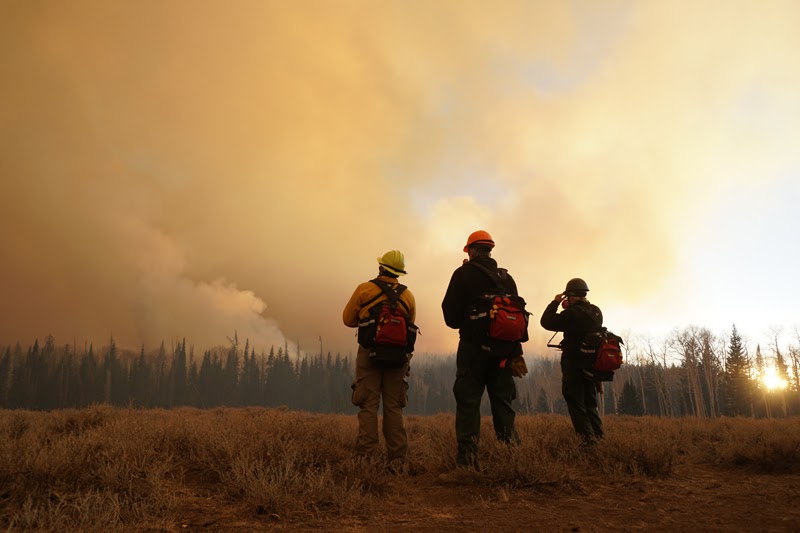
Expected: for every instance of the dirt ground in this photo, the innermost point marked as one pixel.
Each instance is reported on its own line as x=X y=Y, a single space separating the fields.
x=694 y=498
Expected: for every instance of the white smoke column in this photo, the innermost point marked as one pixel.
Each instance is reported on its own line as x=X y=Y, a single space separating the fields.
x=166 y=302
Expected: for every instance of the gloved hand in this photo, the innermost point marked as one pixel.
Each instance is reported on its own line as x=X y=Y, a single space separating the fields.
x=518 y=367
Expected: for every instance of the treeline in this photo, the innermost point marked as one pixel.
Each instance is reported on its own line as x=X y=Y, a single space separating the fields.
x=695 y=373
x=692 y=373
x=53 y=377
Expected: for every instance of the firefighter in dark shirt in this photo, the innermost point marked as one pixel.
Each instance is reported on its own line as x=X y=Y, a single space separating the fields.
x=575 y=320
x=475 y=370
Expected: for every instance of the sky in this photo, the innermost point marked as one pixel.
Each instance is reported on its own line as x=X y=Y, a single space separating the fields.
x=199 y=169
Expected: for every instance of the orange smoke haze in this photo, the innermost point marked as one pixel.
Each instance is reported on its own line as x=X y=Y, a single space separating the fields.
x=191 y=169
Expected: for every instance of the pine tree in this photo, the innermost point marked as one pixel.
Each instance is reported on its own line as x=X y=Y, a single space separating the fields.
x=115 y=377
x=248 y=384
x=781 y=368
x=161 y=378
x=630 y=403
x=282 y=381
x=737 y=378
x=320 y=381
x=192 y=390
x=65 y=382
x=760 y=364
x=91 y=389
x=542 y=404
x=760 y=400
x=48 y=389
x=305 y=390
x=209 y=380
x=230 y=377
x=5 y=376
x=177 y=388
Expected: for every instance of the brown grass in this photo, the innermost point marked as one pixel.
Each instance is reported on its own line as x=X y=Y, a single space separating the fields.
x=115 y=469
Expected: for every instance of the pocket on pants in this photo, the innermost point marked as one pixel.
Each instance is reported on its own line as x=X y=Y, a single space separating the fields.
x=403 y=401
x=358 y=397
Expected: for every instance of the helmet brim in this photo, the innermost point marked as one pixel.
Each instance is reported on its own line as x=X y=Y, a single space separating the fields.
x=478 y=243
x=393 y=270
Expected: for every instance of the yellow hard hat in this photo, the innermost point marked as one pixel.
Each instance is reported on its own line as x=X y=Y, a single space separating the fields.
x=394 y=262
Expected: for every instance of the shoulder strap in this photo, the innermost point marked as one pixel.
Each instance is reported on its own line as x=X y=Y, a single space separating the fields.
x=392 y=293
x=592 y=312
x=589 y=314
x=499 y=274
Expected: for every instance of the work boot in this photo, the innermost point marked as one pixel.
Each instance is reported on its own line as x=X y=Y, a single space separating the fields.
x=588 y=444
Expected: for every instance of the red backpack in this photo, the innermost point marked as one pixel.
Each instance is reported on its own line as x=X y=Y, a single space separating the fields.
x=603 y=351
x=387 y=330
x=499 y=316
x=507 y=319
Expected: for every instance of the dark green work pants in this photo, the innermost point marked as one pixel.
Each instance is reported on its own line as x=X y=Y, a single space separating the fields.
x=581 y=397
x=476 y=372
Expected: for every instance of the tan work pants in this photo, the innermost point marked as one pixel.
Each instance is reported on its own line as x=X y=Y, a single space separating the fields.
x=372 y=384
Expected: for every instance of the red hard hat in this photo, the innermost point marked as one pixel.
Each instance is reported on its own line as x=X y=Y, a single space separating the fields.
x=479 y=237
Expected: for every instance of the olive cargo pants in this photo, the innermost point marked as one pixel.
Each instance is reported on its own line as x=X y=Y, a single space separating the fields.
x=476 y=372
x=372 y=385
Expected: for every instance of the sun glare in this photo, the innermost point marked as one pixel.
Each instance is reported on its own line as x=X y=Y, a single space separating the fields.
x=772 y=381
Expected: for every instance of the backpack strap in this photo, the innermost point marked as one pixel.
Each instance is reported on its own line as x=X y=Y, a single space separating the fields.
x=496 y=276
x=590 y=314
x=392 y=293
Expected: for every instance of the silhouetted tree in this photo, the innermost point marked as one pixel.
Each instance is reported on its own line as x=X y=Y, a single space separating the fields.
x=115 y=386
x=737 y=385
x=630 y=403
x=209 y=380
x=230 y=377
x=251 y=379
x=192 y=389
x=161 y=378
x=141 y=384
x=177 y=376
x=282 y=381
x=5 y=376
x=305 y=388
x=542 y=404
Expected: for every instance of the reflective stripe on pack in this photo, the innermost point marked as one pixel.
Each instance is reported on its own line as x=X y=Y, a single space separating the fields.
x=366 y=323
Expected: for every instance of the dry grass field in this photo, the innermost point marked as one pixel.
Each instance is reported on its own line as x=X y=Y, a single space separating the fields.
x=254 y=469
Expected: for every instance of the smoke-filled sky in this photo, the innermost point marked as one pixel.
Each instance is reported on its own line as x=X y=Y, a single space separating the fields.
x=197 y=168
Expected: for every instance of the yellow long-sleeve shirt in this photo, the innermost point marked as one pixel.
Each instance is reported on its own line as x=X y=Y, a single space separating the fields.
x=355 y=308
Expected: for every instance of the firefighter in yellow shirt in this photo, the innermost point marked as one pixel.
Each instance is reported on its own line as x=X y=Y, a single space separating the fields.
x=372 y=383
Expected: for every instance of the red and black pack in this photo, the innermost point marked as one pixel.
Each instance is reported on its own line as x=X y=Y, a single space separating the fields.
x=603 y=354
x=498 y=317
x=387 y=330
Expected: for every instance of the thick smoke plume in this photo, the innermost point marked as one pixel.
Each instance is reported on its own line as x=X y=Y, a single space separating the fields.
x=190 y=169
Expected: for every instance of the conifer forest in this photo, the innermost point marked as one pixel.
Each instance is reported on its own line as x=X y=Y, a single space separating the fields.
x=691 y=373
